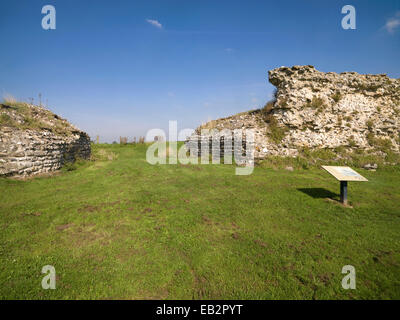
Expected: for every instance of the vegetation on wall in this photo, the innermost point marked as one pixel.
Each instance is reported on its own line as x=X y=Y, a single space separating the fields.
x=24 y=116
x=336 y=96
x=275 y=132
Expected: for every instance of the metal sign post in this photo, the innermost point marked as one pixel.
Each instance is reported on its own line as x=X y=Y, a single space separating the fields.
x=343 y=192
x=344 y=174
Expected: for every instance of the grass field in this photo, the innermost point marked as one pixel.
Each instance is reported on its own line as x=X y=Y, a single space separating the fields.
x=123 y=229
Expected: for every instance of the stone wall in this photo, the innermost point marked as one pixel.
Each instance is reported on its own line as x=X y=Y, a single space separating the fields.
x=25 y=151
x=219 y=145
x=314 y=109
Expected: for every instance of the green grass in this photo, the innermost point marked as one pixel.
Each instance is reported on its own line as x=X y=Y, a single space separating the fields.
x=366 y=87
x=336 y=96
x=315 y=103
x=340 y=156
x=275 y=132
x=123 y=229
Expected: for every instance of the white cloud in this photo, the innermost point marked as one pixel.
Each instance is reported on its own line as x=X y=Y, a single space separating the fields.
x=393 y=23
x=229 y=50
x=155 y=23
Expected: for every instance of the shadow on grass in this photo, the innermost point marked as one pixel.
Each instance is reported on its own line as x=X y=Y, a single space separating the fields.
x=318 y=193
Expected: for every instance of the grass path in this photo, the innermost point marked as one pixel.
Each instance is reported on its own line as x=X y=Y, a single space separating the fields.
x=124 y=229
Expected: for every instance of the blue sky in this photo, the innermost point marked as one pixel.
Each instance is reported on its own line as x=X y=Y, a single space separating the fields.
x=111 y=71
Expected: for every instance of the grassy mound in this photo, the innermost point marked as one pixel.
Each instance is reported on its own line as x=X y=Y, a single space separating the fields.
x=25 y=116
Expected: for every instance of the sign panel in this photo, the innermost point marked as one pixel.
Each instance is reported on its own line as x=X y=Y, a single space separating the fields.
x=344 y=173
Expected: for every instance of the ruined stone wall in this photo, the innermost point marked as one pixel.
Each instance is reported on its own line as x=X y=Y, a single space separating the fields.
x=25 y=151
x=314 y=109
x=219 y=145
